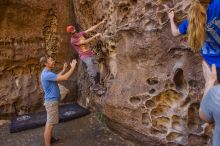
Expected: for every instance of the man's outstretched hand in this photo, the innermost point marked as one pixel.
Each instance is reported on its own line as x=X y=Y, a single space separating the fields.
x=210 y=74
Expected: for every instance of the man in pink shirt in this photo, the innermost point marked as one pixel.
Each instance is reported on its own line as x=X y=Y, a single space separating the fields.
x=81 y=44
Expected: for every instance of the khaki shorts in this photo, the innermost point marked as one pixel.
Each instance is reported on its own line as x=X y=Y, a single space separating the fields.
x=52 y=109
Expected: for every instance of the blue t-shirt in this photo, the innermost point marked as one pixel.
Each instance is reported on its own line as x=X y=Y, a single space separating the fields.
x=50 y=86
x=210 y=106
x=211 y=47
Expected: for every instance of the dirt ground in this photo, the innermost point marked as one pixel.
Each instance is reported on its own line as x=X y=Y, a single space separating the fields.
x=85 y=131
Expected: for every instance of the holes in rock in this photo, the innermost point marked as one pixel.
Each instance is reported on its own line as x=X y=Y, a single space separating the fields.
x=209 y=129
x=186 y=102
x=145 y=96
x=124 y=7
x=166 y=85
x=149 y=104
x=177 y=126
x=160 y=110
x=140 y=15
x=193 y=117
x=172 y=97
x=152 y=91
x=161 y=123
x=193 y=83
x=175 y=118
x=107 y=4
x=148 y=6
x=133 y=1
x=150 y=25
x=162 y=129
x=198 y=140
x=103 y=17
x=161 y=7
x=174 y=136
x=135 y=100
x=154 y=131
x=112 y=48
x=145 y=119
x=168 y=97
x=162 y=18
x=152 y=81
x=172 y=85
x=169 y=85
x=123 y=20
x=179 y=79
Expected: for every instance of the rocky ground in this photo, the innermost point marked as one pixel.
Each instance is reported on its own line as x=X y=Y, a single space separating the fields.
x=85 y=131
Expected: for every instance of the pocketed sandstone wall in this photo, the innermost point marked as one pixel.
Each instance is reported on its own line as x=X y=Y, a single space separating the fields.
x=154 y=81
x=28 y=29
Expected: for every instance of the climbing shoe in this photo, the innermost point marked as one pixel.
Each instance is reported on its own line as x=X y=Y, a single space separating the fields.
x=101 y=91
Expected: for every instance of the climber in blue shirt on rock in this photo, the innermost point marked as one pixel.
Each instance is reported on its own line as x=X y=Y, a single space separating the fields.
x=202 y=26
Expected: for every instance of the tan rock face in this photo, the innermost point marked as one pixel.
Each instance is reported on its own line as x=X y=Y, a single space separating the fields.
x=29 y=29
x=154 y=80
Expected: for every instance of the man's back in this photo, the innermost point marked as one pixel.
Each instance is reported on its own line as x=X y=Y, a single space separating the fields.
x=210 y=106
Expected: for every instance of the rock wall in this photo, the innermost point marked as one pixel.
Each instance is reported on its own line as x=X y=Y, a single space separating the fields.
x=154 y=80
x=29 y=29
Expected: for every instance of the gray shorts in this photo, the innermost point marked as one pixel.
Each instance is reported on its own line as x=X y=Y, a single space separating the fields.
x=92 y=69
x=52 y=109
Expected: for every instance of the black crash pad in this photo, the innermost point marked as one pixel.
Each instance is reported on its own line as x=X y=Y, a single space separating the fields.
x=29 y=121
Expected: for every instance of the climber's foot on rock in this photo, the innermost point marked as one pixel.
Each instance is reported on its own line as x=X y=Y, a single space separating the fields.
x=101 y=91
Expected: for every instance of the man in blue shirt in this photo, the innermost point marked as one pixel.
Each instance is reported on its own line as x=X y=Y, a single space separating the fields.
x=52 y=93
x=209 y=108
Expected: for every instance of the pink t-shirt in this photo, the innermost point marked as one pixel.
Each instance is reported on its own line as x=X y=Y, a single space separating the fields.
x=83 y=50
